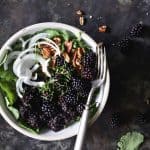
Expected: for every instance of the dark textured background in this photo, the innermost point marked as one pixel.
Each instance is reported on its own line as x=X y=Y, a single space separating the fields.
x=130 y=74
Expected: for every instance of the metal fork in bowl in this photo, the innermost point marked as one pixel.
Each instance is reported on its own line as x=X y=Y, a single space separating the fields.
x=101 y=76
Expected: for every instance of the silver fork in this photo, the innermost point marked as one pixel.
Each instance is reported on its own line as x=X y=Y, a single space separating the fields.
x=101 y=75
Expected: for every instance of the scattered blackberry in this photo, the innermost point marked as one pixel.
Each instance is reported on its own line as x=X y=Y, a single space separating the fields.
x=115 y=120
x=60 y=61
x=33 y=120
x=57 y=123
x=136 y=30
x=80 y=108
x=123 y=44
x=89 y=59
x=143 y=118
x=48 y=109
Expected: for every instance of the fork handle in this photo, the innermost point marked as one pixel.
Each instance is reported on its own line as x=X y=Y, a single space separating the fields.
x=82 y=129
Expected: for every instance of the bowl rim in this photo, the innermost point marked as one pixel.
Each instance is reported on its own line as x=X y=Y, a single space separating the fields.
x=105 y=88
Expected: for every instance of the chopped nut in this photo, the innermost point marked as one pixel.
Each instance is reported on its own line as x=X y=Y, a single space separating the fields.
x=68 y=45
x=66 y=57
x=79 y=67
x=52 y=63
x=81 y=20
x=78 y=61
x=80 y=52
x=79 y=12
x=46 y=52
x=74 y=59
x=102 y=28
x=57 y=40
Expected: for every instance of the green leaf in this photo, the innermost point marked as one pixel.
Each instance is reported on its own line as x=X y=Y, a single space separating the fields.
x=13 y=110
x=9 y=91
x=23 y=125
x=78 y=35
x=130 y=141
x=17 y=46
x=65 y=35
x=82 y=44
x=7 y=75
x=7 y=84
x=62 y=47
x=75 y=43
x=4 y=59
x=52 y=32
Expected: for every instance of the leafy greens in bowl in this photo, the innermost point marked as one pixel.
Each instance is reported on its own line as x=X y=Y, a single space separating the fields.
x=45 y=79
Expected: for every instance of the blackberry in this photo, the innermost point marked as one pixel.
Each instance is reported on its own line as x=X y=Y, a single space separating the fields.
x=60 y=61
x=143 y=118
x=69 y=111
x=24 y=111
x=57 y=123
x=71 y=114
x=70 y=98
x=87 y=73
x=43 y=119
x=67 y=117
x=80 y=108
x=89 y=59
x=33 y=120
x=64 y=106
x=76 y=83
x=31 y=96
x=136 y=30
x=84 y=92
x=115 y=120
x=81 y=86
x=70 y=68
x=123 y=44
x=48 y=109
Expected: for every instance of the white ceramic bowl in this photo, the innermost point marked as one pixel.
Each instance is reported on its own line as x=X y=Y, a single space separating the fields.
x=72 y=129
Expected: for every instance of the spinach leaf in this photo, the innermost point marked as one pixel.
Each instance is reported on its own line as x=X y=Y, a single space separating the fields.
x=7 y=84
x=7 y=75
x=8 y=89
x=13 y=110
x=25 y=126
x=65 y=35
x=52 y=32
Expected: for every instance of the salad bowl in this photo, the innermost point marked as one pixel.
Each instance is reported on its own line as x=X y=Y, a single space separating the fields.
x=71 y=130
